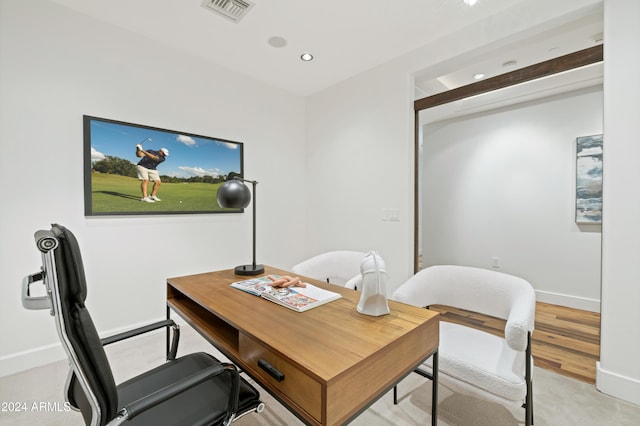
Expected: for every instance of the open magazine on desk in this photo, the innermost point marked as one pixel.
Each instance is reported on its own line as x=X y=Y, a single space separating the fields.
x=299 y=299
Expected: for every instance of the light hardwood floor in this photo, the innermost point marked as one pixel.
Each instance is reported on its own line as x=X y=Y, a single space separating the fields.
x=565 y=340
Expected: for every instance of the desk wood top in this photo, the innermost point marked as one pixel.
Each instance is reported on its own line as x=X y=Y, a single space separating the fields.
x=328 y=339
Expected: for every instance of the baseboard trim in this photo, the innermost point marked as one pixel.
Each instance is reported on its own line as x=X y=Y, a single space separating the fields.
x=582 y=303
x=36 y=357
x=26 y=360
x=616 y=385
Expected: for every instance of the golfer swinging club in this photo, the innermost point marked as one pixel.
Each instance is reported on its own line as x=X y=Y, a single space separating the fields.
x=147 y=169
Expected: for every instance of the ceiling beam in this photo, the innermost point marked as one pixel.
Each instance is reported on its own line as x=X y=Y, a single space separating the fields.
x=568 y=62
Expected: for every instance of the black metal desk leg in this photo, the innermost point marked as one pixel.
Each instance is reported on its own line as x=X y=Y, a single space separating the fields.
x=434 y=391
x=168 y=332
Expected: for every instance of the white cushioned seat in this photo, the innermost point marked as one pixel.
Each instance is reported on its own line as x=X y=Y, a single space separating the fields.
x=496 y=368
x=469 y=358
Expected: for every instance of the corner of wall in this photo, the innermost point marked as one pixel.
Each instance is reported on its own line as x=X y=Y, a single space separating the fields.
x=616 y=385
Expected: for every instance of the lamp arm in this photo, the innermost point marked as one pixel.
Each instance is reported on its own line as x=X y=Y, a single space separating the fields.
x=234 y=195
x=253 y=183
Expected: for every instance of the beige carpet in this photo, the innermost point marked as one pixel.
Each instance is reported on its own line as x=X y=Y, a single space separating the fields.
x=35 y=397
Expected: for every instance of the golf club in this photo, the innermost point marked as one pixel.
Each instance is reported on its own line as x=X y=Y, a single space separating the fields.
x=139 y=146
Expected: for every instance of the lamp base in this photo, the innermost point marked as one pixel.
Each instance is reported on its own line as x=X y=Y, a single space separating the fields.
x=249 y=270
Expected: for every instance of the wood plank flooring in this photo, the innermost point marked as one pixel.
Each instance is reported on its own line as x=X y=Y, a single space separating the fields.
x=565 y=340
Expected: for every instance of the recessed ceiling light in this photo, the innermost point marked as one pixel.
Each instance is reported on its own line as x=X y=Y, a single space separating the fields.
x=478 y=76
x=306 y=57
x=277 y=41
x=470 y=2
x=510 y=64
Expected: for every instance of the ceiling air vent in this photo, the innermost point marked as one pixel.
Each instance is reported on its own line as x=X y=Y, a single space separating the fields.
x=234 y=10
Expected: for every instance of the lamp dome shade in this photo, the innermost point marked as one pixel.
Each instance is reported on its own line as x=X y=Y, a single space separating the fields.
x=234 y=194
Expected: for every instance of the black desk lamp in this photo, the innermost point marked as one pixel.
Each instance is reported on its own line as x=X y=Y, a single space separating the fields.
x=235 y=194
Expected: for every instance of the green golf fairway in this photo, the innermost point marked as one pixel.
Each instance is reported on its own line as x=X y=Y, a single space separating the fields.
x=121 y=194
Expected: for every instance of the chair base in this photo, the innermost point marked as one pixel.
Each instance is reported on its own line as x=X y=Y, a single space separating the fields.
x=528 y=404
x=434 y=389
x=203 y=404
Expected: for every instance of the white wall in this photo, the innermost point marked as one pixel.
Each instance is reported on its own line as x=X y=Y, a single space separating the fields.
x=359 y=167
x=55 y=66
x=348 y=120
x=618 y=371
x=360 y=139
x=502 y=184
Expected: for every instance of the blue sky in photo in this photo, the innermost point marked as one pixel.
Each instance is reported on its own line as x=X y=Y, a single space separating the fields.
x=189 y=155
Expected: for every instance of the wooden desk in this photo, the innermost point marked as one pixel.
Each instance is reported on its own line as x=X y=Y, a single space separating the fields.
x=335 y=361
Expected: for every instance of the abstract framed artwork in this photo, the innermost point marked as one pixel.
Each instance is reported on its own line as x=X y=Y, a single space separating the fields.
x=589 y=179
x=189 y=176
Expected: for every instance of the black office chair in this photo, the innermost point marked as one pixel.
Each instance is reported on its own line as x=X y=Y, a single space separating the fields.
x=193 y=389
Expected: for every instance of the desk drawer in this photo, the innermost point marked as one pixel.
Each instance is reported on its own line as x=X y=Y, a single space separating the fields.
x=287 y=378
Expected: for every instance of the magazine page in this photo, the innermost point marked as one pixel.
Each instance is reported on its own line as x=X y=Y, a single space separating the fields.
x=255 y=286
x=300 y=298
x=297 y=298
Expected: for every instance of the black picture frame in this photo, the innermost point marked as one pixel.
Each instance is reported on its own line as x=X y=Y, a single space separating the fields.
x=190 y=175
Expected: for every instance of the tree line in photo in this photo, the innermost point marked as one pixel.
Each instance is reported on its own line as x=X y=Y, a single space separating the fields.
x=120 y=166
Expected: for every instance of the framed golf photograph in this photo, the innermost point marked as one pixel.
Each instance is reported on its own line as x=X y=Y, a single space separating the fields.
x=133 y=169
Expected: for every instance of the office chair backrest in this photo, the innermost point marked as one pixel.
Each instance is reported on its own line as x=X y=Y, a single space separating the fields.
x=79 y=334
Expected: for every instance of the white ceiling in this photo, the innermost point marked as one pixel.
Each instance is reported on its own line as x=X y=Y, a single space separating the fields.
x=580 y=34
x=345 y=37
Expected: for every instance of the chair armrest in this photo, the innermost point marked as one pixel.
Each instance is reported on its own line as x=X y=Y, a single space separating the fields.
x=145 y=329
x=516 y=335
x=520 y=322
x=143 y=404
x=34 y=302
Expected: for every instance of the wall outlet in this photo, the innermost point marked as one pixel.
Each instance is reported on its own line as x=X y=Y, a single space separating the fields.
x=496 y=263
